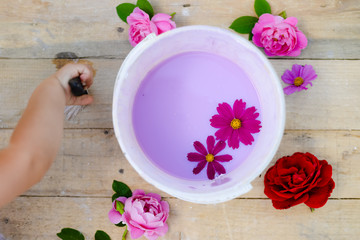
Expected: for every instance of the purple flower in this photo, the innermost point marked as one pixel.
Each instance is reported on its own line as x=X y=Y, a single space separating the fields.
x=209 y=157
x=236 y=124
x=299 y=77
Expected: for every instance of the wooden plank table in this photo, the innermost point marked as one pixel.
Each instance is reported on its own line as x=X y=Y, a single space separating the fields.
x=324 y=120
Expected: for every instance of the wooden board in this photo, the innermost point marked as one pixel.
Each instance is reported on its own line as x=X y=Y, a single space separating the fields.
x=329 y=104
x=40 y=29
x=41 y=218
x=90 y=159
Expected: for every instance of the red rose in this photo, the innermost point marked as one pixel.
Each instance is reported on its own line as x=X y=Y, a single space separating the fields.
x=300 y=178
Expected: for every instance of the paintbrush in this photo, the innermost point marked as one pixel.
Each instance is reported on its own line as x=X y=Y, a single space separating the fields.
x=77 y=88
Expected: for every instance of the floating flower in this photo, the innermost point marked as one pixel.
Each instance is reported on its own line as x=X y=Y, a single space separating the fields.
x=278 y=36
x=236 y=124
x=299 y=77
x=209 y=157
x=300 y=178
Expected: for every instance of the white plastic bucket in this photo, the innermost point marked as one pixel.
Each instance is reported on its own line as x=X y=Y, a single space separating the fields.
x=155 y=49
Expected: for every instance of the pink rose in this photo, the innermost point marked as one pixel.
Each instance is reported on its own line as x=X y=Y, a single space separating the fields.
x=163 y=22
x=144 y=214
x=140 y=26
x=278 y=36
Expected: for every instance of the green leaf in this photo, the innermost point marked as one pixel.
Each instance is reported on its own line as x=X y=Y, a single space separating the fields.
x=70 y=234
x=124 y=10
x=120 y=224
x=250 y=36
x=283 y=14
x=244 y=24
x=146 y=7
x=122 y=189
x=101 y=235
x=173 y=14
x=261 y=7
x=115 y=196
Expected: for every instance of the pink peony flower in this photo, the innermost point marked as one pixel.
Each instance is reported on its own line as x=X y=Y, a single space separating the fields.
x=163 y=22
x=209 y=157
x=299 y=77
x=145 y=214
x=140 y=26
x=236 y=124
x=278 y=36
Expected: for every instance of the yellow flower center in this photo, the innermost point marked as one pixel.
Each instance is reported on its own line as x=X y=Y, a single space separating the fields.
x=209 y=157
x=235 y=123
x=298 y=81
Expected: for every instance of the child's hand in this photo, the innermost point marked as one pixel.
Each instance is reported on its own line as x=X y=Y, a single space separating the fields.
x=73 y=70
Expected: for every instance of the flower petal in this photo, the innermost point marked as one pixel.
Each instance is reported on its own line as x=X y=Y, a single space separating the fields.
x=195 y=157
x=138 y=192
x=233 y=141
x=224 y=133
x=211 y=171
x=252 y=125
x=319 y=196
x=287 y=77
x=239 y=108
x=154 y=195
x=308 y=73
x=325 y=174
x=245 y=136
x=200 y=148
x=296 y=68
x=289 y=203
x=199 y=167
x=219 y=168
x=291 y=89
x=114 y=216
x=225 y=110
x=210 y=142
x=218 y=121
x=250 y=113
x=220 y=145
x=223 y=158
x=134 y=231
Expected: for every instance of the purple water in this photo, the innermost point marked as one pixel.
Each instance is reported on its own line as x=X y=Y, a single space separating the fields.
x=175 y=102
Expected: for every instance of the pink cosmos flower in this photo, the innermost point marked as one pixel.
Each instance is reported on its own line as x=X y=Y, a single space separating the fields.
x=278 y=36
x=141 y=25
x=236 y=124
x=298 y=78
x=209 y=156
x=163 y=22
x=145 y=214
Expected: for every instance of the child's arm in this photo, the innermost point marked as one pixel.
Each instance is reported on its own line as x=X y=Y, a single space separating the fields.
x=36 y=139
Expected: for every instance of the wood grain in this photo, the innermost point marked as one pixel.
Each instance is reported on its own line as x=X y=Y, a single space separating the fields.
x=90 y=159
x=40 y=29
x=41 y=218
x=329 y=104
